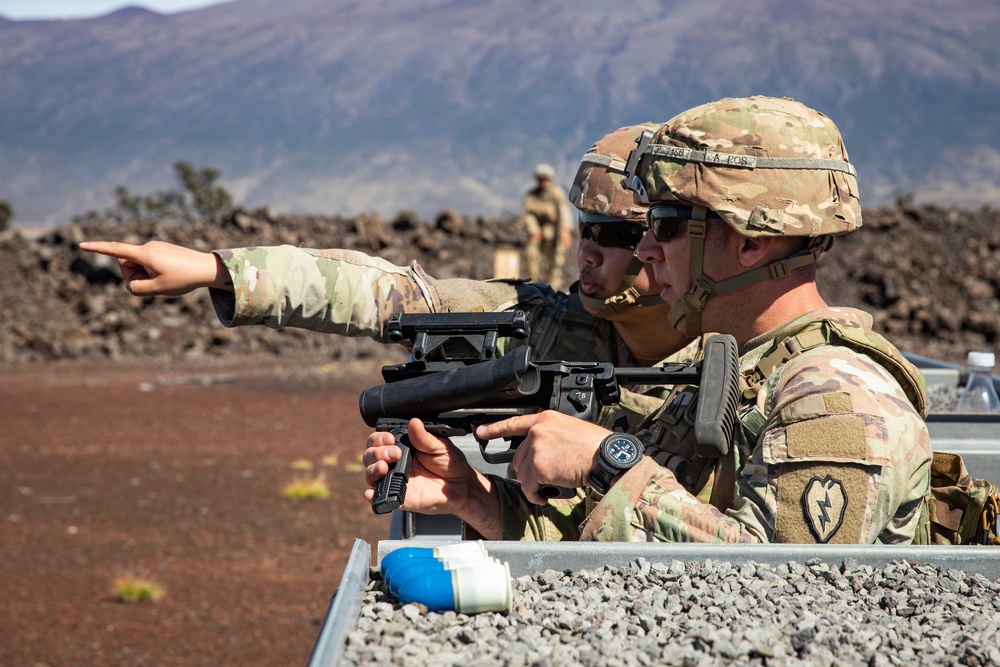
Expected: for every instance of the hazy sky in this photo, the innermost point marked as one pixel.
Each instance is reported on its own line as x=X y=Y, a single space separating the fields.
x=53 y=9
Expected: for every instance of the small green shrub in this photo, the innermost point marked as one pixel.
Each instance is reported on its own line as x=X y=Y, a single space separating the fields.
x=197 y=197
x=6 y=213
x=133 y=589
x=356 y=465
x=307 y=488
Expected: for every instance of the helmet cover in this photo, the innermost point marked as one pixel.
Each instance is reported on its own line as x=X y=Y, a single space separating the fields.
x=768 y=166
x=599 y=188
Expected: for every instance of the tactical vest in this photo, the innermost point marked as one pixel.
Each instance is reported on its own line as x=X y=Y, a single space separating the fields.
x=573 y=334
x=559 y=326
x=714 y=480
x=829 y=332
x=960 y=509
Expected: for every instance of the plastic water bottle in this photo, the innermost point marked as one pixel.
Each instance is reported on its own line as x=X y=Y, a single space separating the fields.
x=979 y=394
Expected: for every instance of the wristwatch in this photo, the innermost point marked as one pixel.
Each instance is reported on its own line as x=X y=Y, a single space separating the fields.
x=619 y=453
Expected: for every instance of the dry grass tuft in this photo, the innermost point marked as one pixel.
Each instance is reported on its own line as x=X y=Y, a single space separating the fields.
x=131 y=589
x=307 y=488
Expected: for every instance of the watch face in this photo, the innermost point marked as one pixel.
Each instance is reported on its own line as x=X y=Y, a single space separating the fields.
x=622 y=450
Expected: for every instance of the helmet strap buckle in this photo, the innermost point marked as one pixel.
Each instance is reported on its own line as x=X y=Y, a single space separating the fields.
x=778 y=270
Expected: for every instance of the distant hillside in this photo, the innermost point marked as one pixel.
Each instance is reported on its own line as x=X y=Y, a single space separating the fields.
x=929 y=275
x=338 y=107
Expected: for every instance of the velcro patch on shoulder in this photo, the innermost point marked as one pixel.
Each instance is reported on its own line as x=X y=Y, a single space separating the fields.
x=816 y=405
x=823 y=504
x=838 y=436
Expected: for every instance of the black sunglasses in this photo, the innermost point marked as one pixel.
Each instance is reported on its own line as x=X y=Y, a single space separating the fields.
x=665 y=221
x=611 y=232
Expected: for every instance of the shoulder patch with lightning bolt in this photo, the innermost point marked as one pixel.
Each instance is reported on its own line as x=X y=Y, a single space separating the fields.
x=824 y=502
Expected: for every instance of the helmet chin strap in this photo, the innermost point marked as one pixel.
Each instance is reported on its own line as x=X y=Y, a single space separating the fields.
x=693 y=303
x=701 y=285
x=625 y=296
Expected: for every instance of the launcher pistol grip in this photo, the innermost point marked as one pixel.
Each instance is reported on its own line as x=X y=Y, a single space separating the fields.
x=390 y=492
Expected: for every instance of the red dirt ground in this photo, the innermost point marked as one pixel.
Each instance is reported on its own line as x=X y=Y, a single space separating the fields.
x=175 y=474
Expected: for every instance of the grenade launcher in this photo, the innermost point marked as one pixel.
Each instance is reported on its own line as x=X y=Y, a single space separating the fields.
x=455 y=382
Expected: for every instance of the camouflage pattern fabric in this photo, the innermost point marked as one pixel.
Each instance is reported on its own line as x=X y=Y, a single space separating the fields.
x=331 y=291
x=831 y=450
x=769 y=166
x=598 y=188
x=599 y=183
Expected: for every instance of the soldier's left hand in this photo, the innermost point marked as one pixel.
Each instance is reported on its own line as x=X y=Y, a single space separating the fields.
x=557 y=449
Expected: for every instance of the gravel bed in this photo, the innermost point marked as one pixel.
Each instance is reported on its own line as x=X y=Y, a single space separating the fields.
x=701 y=614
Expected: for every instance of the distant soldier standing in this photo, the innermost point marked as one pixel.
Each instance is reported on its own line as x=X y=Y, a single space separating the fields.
x=546 y=215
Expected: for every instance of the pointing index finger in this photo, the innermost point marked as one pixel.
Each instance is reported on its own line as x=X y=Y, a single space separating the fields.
x=111 y=248
x=505 y=428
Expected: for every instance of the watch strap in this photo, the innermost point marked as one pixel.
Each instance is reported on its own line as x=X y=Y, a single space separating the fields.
x=601 y=476
x=604 y=471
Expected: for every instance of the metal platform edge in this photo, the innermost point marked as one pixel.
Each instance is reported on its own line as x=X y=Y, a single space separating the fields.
x=345 y=608
x=527 y=558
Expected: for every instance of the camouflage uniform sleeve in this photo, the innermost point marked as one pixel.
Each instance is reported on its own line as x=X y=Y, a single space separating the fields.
x=648 y=504
x=338 y=291
x=844 y=457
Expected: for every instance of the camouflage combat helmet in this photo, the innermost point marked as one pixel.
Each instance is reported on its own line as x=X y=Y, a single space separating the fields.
x=600 y=196
x=766 y=166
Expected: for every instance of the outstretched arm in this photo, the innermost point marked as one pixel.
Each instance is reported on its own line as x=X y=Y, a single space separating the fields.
x=157 y=268
x=332 y=291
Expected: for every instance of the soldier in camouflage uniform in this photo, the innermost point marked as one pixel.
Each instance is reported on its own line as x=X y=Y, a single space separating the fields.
x=546 y=217
x=615 y=315
x=830 y=446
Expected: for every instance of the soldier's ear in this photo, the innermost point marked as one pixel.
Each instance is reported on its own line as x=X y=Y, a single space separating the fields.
x=755 y=251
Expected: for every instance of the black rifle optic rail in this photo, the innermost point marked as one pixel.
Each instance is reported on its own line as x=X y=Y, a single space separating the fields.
x=456 y=337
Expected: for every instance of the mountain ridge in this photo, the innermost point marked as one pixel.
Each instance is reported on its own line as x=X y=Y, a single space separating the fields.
x=311 y=106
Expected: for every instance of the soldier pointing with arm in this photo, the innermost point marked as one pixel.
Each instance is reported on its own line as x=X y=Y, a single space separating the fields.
x=615 y=315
